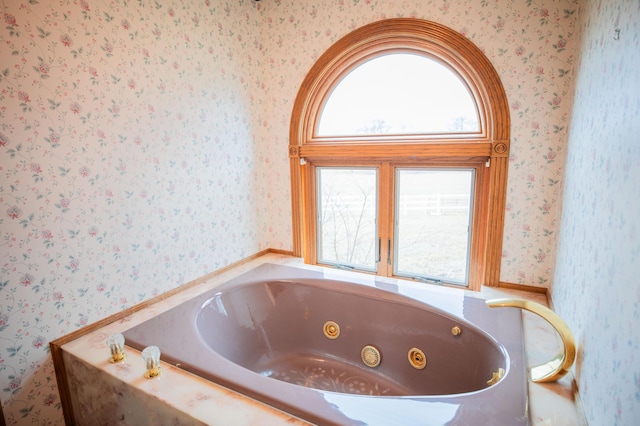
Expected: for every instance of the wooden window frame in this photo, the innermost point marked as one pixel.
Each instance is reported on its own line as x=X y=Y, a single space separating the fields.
x=489 y=146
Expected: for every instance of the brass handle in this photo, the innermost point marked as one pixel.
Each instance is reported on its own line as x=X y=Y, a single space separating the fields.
x=559 y=366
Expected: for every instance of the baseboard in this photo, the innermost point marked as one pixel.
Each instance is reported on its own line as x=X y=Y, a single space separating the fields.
x=274 y=251
x=523 y=287
x=577 y=400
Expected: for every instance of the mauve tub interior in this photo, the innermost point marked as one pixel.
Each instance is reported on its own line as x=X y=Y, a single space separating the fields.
x=275 y=328
x=268 y=324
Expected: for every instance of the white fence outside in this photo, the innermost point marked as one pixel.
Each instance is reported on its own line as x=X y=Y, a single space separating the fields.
x=433 y=204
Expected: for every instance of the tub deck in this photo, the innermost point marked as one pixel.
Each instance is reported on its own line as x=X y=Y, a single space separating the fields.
x=266 y=324
x=96 y=391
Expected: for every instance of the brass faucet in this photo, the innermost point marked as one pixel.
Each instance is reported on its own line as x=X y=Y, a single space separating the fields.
x=560 y=365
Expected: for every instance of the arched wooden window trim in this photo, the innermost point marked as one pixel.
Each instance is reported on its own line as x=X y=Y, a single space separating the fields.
x=491 y=143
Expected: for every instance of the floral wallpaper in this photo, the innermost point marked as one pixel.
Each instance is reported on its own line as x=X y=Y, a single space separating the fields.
x=597 y=279
x=129 y=166
x=143 y=144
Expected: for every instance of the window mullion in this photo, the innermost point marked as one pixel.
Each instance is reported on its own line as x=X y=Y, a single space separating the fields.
x=385 y=219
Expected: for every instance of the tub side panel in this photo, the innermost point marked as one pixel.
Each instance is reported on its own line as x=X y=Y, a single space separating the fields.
x=100 y=399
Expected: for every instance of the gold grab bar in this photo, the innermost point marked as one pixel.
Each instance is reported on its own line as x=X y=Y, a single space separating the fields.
x=559 y=366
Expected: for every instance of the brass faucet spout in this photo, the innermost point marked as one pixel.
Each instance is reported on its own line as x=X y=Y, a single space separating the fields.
x=560 y=365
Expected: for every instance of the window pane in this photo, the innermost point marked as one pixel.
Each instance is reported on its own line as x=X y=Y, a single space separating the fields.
x=399 y=94
x=347 y=203
x=433 y=220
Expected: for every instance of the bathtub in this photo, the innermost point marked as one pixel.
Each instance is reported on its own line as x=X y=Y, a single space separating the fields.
x=346 y=349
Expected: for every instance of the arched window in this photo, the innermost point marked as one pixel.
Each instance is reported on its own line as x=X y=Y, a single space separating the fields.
x=399 y=147
x=399 y=93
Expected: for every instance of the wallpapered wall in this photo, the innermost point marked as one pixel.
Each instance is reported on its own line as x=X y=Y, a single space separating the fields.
x=144 y=144
x=129 y=166
x=597 y=281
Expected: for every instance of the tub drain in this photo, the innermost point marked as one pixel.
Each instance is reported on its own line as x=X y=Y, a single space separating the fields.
x=370 y=356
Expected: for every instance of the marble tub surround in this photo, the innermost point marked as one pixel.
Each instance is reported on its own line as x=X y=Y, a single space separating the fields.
x=119 y=394
x=178 y=396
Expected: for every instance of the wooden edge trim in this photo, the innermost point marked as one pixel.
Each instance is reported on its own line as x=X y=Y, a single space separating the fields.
x=2 y=422
x=524 y=287
x=61 y=380
x=56 y=345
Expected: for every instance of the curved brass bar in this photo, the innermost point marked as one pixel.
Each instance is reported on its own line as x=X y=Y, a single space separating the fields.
x=559 y=366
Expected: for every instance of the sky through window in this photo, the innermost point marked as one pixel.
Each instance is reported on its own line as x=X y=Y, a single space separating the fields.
x=399 y=93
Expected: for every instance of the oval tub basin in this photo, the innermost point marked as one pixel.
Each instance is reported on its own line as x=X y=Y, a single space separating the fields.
x=353 y=350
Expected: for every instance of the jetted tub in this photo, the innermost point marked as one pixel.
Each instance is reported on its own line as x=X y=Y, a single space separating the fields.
x=362 y=352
